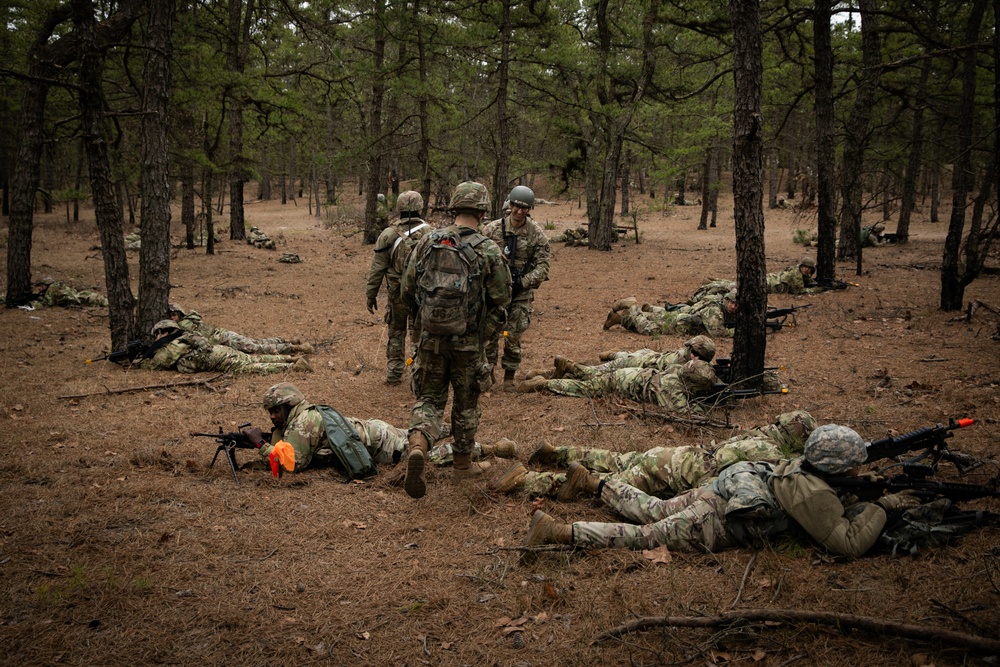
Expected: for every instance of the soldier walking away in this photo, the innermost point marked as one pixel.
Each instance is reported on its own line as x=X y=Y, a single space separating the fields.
x=457 y=287
x=525 y=247
x=392 y=250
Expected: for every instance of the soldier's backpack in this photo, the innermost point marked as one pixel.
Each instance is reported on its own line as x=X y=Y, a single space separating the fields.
x=346 y=444
x=449 y=283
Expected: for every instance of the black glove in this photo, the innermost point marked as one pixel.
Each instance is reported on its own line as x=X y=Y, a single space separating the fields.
x=372 y=305
x=254 y=435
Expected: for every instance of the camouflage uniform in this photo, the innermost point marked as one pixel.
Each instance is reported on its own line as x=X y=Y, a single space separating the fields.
x=259 y=239
x=670 y=389
x=666 y=471
x=458 y=360
x=748 y=503
x=572 y=237
x=392 y=250
x=192 y=353
x=707 y=316
x=531 y=259
x=62 y=295
x=870 y=235
x=133 y=241
x=644 y=358
x=191 y=321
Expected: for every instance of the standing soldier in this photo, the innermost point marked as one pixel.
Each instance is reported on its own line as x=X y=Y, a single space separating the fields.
x=526 y=249
x=457 y=287
x=392 y=250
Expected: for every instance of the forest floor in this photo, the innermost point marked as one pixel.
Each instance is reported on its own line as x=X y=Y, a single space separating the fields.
x=120 y=546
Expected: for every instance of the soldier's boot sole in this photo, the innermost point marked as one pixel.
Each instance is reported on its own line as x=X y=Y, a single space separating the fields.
x=415 y=485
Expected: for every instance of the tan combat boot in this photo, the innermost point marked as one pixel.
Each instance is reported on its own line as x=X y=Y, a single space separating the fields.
x=614 y=319
x=544 y=453
x=534 y=384
x=546 y=530
x=304 y=348
x=502 y=449
x=578 y=480
x=465 y=468
x=624 y=304
x=539 y=374
x=512 y=480
x=301 y=364
x=564 y=367
x=415 y=485
x=647 y=308
x=608 y=355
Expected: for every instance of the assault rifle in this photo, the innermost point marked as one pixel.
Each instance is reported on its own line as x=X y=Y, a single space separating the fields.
x=830 y=284
x=721 y=392
x=776 y=316
x=228 y=444
x=915 y=480
x=929 y=441
x=724 y=366
x=134 y=349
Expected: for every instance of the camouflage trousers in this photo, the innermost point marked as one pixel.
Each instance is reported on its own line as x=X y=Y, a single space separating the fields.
x=660 y=471
x=227 y=360
x=661 y=321
x=388 y=445
x=436 y=372
x=642 y=385
x=693 y=521
x=518 y=319
x=644 y=358
x=397 y=316
x=250 y=345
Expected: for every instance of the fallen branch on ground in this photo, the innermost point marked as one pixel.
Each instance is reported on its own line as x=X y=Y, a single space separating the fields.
x=126 y=390
x=907 y=630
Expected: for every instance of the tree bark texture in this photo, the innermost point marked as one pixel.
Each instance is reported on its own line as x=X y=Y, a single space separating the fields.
x=825 y=156
x=500 y=172
x=237 y=52
x=749 y=342
x=375 y=144
x=963 y=178
x=852 y=173
x=106 y=211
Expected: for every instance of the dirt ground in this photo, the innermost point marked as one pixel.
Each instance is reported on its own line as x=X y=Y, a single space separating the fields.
x=120 y=546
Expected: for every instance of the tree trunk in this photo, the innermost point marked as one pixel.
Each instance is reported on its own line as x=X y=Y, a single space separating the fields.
x=372 y=225
x=154 y=252
x=424 y=152
x=963 y=179
x=626 y=177
x=852 y=172
x=707 y=176
x=825 y=155
x=500 y=176
x=237 y=52
x=109 y=221
x=772 y=178
x=187 y=202
x=749 y=342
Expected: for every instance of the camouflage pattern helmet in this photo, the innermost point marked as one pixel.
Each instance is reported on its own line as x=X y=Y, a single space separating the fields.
x=835 y=449
x=795 y=427
x=730 y=296
x=255 y=228
x=702 y=346
x=808 y=261
x=164 y=325
x=283 y=393
x=176 y=308
x=470 y=195
x=522 y=196
x=410 y=202
x=697 y=376
x=381 y=198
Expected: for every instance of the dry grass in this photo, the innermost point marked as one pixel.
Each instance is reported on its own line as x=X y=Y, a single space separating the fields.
x=119 y=547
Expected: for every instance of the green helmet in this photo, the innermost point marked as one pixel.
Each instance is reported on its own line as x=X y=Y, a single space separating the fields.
x=702 y=346
x=283 y=393
x=835 y=449
x=522 y=196
x=410 y=202
x=697 y=376
x=164 y=325
x=470 y=195
x=808 y=261
x=793 y=428
x=176 y=308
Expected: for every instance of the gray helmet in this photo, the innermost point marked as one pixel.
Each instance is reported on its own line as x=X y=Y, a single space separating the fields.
x=381 y=198
x=702 y=346
x=835 y=449
x=810 y=262
x=283 y=393
x=522 y=196
x=410 y=202
x=164 y=325
x=470 y=195
x=731 y=296
x=176 y=308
